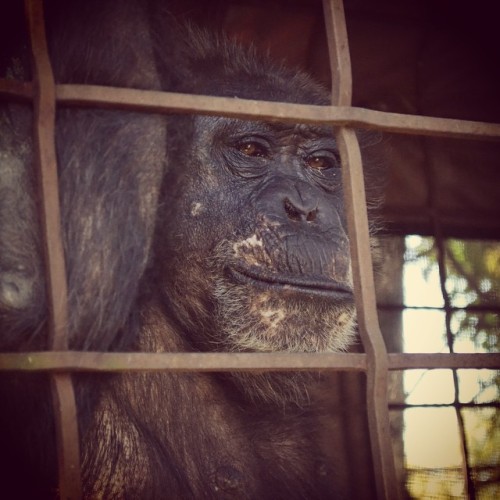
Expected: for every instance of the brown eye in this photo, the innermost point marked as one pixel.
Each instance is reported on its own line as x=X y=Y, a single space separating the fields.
x=319 y=162
x=250 y=148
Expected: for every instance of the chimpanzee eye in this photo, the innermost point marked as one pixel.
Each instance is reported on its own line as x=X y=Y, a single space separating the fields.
x=252 y=148
x=318 y=162
x=322 y=161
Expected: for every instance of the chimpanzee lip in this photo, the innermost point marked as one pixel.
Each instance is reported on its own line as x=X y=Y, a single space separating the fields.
x=319 y=287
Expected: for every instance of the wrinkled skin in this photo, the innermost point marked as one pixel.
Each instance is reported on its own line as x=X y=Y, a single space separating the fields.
x=265 y=233
x=181 y=233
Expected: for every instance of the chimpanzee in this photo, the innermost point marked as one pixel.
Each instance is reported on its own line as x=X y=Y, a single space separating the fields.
x=181 y=233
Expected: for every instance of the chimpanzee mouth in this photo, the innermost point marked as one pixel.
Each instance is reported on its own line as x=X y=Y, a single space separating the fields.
x=319 y=287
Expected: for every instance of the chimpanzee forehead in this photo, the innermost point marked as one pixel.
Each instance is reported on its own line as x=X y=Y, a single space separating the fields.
x=302 y=129
x=235 y=125
x=291 y=86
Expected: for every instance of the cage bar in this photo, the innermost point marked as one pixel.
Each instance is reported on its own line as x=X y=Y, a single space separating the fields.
x=78 y=361
x=166 y=102
x=364 y=287
x=63 y=397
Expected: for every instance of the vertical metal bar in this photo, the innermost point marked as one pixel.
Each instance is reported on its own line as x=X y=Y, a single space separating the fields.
x=338 y=50
x=378 y=365
x=64 y=405
x=353 y=182
x=44 y=108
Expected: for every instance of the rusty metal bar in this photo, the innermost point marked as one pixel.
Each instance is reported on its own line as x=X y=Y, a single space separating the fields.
x=45 y=154
x=167 y=102
x=378 y=366
x=179 y=361
x=184 y=362
x=63 y=398
x=338 y=50
x=364 y=287
x=161 y=102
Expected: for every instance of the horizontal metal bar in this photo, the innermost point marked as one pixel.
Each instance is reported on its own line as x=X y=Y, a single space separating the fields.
x=209 y=362
x=183 y=361
x=444 y=360
x=165 y=102
x=147 y=100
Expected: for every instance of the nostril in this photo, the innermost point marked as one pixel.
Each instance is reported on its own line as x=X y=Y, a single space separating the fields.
x=299 y=213
x=311 y=216
x=293 y=212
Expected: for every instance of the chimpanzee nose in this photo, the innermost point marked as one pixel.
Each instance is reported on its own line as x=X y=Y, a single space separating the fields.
x=299 y=211
x=301 y=204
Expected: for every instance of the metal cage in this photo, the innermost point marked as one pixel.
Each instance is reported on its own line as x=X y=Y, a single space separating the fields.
x=61 y=362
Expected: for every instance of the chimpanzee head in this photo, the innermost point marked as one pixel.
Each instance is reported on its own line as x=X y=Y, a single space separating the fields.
x=251 y=245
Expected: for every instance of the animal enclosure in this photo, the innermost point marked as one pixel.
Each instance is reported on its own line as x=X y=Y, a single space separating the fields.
x=437 y=214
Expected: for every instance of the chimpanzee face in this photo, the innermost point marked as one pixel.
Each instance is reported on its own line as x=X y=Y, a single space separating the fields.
x=258 y=208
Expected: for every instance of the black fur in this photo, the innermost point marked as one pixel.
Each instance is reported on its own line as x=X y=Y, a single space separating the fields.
x=176 y=229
